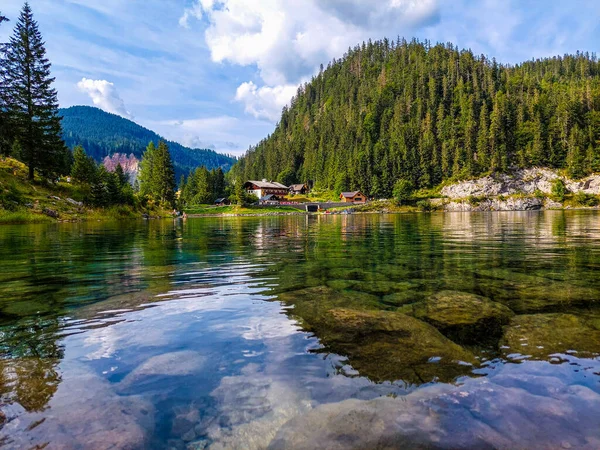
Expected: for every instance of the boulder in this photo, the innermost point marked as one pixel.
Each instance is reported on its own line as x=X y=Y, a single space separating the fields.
x=521 y=407
x=84 y=413
x=50 y=213
x=541 y=335
x=168 y=364
x=74 y=202
x=386 y=345
x=464 y=317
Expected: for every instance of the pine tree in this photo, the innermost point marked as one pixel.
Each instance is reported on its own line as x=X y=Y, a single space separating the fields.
x=163 y=176
x=146 y=174
x=30 y=100
x=84 y=167
x=6 y=142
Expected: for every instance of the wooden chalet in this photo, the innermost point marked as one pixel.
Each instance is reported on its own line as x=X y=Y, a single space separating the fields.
x=222 y=202
x=356 y=197
x=263 y=188
x=298 y=189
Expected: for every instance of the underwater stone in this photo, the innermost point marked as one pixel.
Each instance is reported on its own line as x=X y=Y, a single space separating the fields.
x=542 y=335
x=386 y=345
x=463 y=316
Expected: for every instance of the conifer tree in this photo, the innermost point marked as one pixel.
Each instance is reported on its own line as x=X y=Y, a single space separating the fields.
x=5 y=140
x=31 y=102
x=146 y=174
x=163 y=176
x=84 y=167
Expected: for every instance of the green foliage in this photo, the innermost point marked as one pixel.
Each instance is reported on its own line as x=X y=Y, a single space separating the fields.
x=583 y=199
x=157 y=175
x=103 y=134
x=403 y=191
x=427 y=114
x=10 y=197
x=559 y=190
x=425 y=206
x=30 y=102
x=202 y=187
x=84 y=168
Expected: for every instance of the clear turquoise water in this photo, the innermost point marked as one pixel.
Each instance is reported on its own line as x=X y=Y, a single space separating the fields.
x=238 y=332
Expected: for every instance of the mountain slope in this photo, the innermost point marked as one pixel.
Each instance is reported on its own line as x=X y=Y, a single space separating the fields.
x=406 y=110
x=103 y=134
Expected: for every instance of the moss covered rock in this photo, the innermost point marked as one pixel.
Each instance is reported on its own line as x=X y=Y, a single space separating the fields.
x=386 y=345
x=542 y=335
x=464 y=317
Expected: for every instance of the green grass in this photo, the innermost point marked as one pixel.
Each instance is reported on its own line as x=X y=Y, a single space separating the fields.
x=16 y=217
x=234 y=209
x=24 y=201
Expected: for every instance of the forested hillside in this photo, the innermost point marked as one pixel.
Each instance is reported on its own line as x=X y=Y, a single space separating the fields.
x=103 y=134
x=389 y=111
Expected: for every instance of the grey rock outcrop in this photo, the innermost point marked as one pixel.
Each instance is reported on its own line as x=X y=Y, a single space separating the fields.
x=523 y=181
x=496 y=204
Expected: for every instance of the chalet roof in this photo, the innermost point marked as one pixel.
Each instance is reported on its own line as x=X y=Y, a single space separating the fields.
x=267 y=184
x=220 y=200
x=350 y=194
x=297 y=187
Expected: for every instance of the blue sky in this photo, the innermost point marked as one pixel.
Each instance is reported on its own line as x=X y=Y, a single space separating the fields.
x=215 y=73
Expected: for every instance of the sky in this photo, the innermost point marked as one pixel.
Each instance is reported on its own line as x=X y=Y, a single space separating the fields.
x=216 y=73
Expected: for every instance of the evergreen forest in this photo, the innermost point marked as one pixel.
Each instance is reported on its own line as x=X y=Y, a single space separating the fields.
x=400 y=111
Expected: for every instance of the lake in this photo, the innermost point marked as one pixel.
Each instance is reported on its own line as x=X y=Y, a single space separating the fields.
x=456 y=330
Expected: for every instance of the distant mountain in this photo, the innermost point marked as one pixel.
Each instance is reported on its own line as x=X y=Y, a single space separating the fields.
x=103 y=134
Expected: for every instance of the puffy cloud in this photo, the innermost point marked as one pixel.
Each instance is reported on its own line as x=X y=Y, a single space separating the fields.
x=105 y=96
x=287 y=40
x=264 y=102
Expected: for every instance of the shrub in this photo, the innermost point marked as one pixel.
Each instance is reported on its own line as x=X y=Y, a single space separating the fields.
x=425 y=206
x=559 y=190
x=474 y=201
x=583 y=199
x=403 y=190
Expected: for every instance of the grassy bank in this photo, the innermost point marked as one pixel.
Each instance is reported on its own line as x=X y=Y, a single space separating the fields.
x=39 y=201
x=209 y=210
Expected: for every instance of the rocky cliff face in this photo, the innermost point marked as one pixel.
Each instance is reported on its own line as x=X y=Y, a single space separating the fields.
x=524 y=181
x=489 y=193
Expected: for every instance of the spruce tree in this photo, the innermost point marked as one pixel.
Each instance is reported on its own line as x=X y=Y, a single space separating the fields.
x=146 y=174
x=84 y=167
x=5 y=140
x=30 y=100
x=163 y=176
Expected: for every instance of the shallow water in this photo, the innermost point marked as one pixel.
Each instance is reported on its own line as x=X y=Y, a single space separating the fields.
x=372 y=331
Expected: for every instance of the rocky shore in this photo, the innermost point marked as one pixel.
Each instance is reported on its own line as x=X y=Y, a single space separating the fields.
x=523 y=190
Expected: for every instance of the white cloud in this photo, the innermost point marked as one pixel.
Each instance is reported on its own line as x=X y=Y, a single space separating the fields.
x=105 y=96
x=287 y=40
x=265 y=102
x=193 y=12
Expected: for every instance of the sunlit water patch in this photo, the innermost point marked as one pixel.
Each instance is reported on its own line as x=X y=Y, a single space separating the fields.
x=430 y=331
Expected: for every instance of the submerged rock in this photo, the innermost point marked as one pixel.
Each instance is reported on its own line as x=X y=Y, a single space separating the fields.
x=84 y=413
x=542 y=335
x=381 y=345
x=521 y=407
x=311 y=303
x=463 y=316
x=385 y=345
x=168 y=364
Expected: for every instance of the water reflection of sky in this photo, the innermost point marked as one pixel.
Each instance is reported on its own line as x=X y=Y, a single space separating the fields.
x=207 y=356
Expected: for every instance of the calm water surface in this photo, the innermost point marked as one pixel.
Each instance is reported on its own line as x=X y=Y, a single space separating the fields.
x=368 y=331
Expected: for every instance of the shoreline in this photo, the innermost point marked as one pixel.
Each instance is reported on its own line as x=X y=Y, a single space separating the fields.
x=46 y=220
